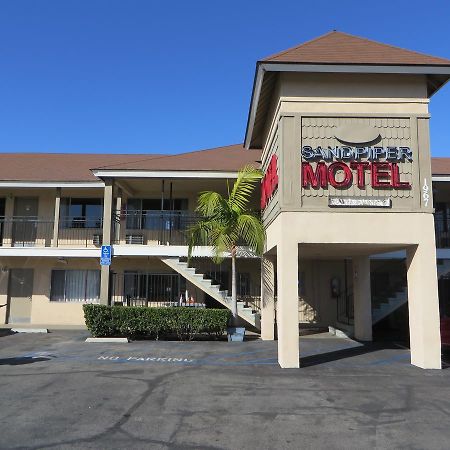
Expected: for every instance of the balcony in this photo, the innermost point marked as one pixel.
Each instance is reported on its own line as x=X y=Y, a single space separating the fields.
x=74 y=232
x=152 y=227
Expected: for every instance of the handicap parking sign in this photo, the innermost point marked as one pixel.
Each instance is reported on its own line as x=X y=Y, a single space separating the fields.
x=105 y=257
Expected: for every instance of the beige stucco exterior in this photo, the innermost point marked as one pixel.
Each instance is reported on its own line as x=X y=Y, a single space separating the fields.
x=302 y=229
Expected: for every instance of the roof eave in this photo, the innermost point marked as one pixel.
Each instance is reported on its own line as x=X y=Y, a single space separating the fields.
x=136 y=173
x=262 y=67
x=254 y=101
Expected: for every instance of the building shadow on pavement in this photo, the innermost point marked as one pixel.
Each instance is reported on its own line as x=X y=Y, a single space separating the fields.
x=351 y=352
x=19 y=361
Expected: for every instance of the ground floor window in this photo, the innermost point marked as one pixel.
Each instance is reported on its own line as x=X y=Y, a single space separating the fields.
x=75 y=286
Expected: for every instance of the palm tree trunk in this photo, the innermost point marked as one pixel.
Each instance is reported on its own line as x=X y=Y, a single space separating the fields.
x=233 y=286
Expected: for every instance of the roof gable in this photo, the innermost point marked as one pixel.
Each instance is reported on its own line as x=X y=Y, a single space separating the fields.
x=342 y=48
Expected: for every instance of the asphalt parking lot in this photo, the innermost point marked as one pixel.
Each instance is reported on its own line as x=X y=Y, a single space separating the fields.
x=59 y=392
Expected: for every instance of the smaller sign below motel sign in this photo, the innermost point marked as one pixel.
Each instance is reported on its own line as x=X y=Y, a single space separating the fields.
x=357 y=202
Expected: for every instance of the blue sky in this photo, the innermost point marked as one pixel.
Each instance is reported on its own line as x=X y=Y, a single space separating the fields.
x=136 y=76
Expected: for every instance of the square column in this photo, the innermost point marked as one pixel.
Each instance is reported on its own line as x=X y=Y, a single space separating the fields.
x=423 y=302
x=287 y=304
x=362 y=298
x=107 y=217
x=56 y=220
x=267 y=298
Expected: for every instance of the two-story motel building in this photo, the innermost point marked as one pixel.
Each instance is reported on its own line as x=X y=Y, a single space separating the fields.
x=340 y=128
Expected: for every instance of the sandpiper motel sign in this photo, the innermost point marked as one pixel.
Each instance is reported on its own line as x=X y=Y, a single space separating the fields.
x=341 y=167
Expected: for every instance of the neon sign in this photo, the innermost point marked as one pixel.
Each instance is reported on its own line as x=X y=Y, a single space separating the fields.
x=341 y=167
x=269 y=182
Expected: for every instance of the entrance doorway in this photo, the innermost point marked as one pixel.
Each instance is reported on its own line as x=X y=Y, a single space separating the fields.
x=19 y=295
x=389 y=294
x=25 y=223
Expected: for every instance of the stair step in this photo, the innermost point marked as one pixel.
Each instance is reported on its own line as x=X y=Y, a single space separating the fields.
x=206 y=284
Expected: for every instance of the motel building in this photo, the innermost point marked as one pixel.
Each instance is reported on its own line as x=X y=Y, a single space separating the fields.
x=357 y=213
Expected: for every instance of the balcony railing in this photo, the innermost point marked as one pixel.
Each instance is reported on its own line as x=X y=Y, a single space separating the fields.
x=37 y=232
x=152 y=227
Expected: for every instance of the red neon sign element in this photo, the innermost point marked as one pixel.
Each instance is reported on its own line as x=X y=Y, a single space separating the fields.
x=269 y=182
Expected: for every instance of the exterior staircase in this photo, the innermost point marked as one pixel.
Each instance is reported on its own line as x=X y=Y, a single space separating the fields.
x=400 y=296
x=206 y=285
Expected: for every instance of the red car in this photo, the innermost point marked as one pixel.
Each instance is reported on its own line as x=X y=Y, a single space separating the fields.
x=445 y=332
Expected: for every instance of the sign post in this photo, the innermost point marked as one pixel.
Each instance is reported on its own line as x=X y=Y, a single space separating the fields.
x=105 y=256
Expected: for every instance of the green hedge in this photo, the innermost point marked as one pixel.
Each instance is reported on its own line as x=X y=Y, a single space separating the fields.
x=185 y=323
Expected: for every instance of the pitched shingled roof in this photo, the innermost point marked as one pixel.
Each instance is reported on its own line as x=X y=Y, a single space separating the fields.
x=342 y=48
x=222 y=159
x=64 y=167
x=70 y=167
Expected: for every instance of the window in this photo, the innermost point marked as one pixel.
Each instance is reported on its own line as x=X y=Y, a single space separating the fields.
x=75 y=286
x=81 y=213
x=146 y=214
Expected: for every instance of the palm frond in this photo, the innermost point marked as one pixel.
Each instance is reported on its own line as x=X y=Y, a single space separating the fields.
x=209 y=203
x=248 y=178
x=198 y=234
x=250 y=230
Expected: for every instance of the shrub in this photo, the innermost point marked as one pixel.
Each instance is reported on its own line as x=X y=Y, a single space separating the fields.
x=133 y=322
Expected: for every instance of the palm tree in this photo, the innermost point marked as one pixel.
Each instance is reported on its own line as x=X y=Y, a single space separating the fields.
x=227 y=222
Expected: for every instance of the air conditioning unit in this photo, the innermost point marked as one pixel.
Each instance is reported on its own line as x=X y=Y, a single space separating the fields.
x=135 y=239
x=97 y=240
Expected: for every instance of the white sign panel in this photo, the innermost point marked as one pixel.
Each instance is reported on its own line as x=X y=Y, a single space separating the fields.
x=358 y=202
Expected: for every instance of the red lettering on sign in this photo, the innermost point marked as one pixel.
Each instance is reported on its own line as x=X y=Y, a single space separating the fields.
x=348 y=176
x=360 y=167
x=381 y=174
x=395 y=175
x=269 y=182
x=316 y=179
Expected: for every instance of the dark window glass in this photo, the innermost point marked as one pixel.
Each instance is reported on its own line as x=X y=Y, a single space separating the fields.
x=81 y=212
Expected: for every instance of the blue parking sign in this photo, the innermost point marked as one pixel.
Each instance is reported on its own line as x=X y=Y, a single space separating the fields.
x=105 y=256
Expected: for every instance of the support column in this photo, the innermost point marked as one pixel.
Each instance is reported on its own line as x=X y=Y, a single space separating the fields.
x=287 y=304
x=362 y=298
x=423 y=302
x=107 y=216
x=267 y=298
x=56 y=221
x=9 y=214
x=118 y=219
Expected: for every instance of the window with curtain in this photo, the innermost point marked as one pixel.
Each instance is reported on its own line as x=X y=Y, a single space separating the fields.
x=75 y=286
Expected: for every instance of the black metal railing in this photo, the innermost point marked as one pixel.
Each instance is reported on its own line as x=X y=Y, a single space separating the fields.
x=155 y=290
x=26 y=232
x=345 y=308
x=80 y=231
x=248 y=289
x=39 y=232
x=442 y=230
x=152 y=227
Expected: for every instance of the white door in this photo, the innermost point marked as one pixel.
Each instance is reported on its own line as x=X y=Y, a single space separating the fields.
x=20 y=294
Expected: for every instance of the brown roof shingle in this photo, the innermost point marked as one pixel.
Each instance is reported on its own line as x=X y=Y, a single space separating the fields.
x=70 y=167
x=55 y=166
x=223 y=159
x=342 y=48
x=440 y=166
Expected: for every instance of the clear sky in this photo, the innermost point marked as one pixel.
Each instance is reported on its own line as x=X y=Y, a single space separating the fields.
x=136 y=76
